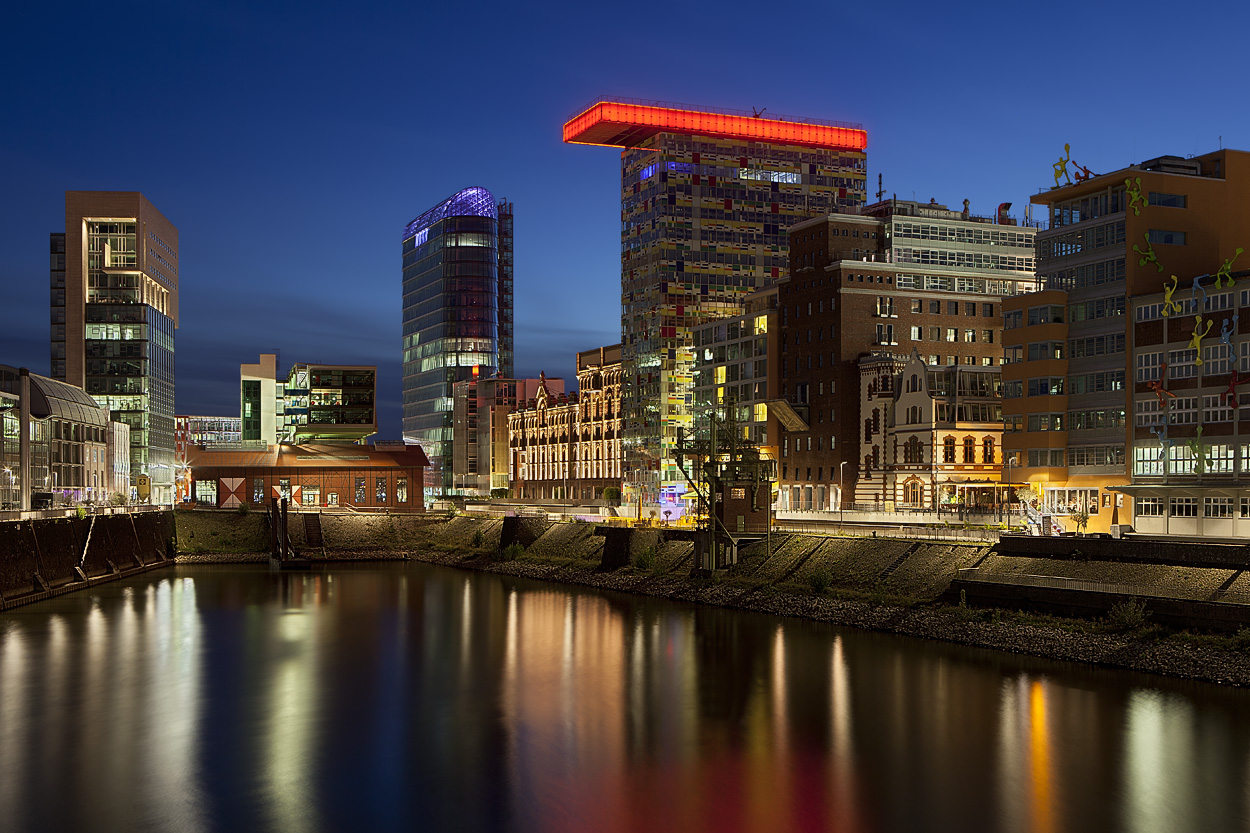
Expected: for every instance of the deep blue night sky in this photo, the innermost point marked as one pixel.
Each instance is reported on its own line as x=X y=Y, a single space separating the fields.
x=291 y=143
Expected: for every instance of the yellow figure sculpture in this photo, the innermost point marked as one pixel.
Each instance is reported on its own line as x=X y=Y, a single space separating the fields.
x=1061 y=167
x=1148 y=254
x=1135 y=195
x=1170 y=306
x=1196 y=341
x=1225 y=272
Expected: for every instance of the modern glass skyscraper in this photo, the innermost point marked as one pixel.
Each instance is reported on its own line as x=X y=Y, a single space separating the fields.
x=457 y=305
x=706 y=201
x=114 y=312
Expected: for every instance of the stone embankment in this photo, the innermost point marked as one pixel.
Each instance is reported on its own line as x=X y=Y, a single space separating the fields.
x=880 y=584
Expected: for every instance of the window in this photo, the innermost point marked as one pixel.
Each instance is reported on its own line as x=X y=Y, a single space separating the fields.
x=206 y=492
x=1050 y=386
x=1168 y=200
x=952 y=308
x=970 y=308
x=1183 y=507
x=1039 y=350
x=1148 y=461
x=948 y=450
x=1045 y=457
x=1149 y=366
x=917 y=305
x=935 y=308
x=1045 y=315
x=987 y=336
x=1013 y=319
x=1182 y=364
x=970 y=336
x=1045 y=422
x=380 y=490
x=1215 y=410
x=917 y=333
x=284 y=488
x=1149 y=507
x=360 y=490
x=258 y=491
x=1165 y=237
x=970 y=450
x=1220 y=459
x=1215 y=359
x=885 y=306
x=987 y=450
x=952 y=334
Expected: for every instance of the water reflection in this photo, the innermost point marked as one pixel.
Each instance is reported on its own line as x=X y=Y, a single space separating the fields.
x=395 y=697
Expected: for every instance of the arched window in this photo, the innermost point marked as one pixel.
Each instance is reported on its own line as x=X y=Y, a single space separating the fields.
x=948 y=450
x=912 y=492
x=987 y=450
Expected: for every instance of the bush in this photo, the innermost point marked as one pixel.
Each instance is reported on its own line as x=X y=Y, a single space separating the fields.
x=611 y=494
x=512 y=552
x=1129 y=615
x=244 y=508
x=500 y=493
x=81 y=512
x=644 y=560
x=478 y=538
x=117 y=499
x=819 y=580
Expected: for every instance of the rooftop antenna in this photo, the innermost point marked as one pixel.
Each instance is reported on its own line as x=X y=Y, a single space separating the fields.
x=759 y=113
x=880 y=190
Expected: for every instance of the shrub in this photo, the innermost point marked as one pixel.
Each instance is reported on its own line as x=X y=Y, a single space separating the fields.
x=1128 y=615
x=500 y=493
x=819 y=580
x=244 y=508
x=478 y=538
x=644 y=560
x=117 y=499
x=512 y=552
x=81 y=512
x=611 y=494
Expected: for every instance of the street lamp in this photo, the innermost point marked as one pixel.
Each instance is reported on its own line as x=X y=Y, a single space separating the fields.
x=1006 y=494
x=841 y=499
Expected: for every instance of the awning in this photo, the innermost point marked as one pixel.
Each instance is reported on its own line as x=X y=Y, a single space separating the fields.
x=789 y=418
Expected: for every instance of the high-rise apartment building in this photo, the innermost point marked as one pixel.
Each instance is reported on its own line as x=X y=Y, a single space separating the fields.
x=114 y=312
x=457 y=314
x=1127 y=363
x=896 y=278
x=707 y=198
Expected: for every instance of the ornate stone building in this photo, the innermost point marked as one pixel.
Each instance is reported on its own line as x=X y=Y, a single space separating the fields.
x=569 y=447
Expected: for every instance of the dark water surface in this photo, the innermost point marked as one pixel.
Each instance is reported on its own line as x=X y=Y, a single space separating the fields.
x=411 y=697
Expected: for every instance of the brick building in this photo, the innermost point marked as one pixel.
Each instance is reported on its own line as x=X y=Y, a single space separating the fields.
x=898 y=278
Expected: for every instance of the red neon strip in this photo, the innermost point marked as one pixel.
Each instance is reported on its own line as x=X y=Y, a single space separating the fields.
x=607 y=119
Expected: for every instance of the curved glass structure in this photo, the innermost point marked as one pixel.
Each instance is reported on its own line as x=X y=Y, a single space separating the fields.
x=455 y=295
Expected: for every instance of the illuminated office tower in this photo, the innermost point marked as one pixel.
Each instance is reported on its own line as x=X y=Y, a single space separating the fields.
x=706 y=201
x=114 y=312
x=457 y=302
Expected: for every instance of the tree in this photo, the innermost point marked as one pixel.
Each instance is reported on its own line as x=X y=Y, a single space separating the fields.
x=1081 y=518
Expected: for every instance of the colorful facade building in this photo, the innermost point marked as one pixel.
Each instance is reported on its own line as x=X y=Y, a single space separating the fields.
x=569 y=447
x=366 y=477
x=457 y=315
x=114 y=312
x=480 y=451
x=706 y=200
x=736 y=366
x=898 y=278
x=1123 y=370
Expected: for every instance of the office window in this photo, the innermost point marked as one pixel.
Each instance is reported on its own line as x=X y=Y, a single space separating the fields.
x=1149 y=507
x=1168 y=200
x=1183 y=507
x=1165 y=237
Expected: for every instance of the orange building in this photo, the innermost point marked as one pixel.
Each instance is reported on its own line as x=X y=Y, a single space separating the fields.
x=1084 y=357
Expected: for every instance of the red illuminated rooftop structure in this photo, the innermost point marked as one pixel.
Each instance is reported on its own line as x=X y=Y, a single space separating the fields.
x=626 y=123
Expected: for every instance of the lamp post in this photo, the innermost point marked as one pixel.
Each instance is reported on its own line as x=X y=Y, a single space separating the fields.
x=1007 y=458
x=841 y=499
